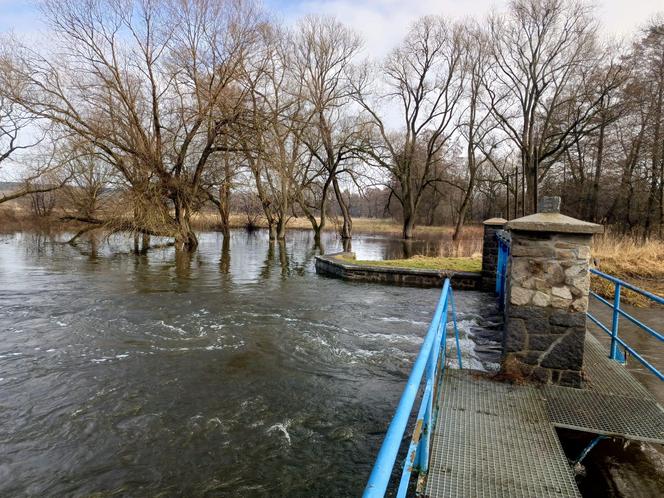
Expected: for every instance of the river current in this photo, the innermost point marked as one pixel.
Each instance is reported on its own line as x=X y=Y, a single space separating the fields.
x=234 y=372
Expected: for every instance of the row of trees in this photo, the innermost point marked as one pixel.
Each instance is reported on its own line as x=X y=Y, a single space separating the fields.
x=175 y=105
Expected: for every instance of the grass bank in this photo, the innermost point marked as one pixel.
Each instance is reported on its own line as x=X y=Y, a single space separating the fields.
x=473 y=264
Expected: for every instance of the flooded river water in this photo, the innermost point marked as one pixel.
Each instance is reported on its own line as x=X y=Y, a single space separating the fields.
x=236 y=372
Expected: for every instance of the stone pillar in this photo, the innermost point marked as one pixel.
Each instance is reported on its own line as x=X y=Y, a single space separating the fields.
x=490 y=252
x=547 y=296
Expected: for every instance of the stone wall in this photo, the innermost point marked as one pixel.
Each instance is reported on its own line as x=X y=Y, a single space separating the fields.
x=547 y=298
x=332 y=266
x=490 y=252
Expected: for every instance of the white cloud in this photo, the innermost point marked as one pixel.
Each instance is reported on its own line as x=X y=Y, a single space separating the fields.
x=383 y=23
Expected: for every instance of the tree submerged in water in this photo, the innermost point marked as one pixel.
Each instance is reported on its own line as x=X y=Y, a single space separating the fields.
x=151 y=89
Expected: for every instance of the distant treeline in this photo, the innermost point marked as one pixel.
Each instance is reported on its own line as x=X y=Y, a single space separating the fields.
x=142 y=114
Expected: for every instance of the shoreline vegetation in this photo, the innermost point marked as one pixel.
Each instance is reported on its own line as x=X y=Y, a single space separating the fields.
x=628 y=258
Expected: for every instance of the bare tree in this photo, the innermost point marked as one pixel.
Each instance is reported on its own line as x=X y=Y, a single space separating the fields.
x=544 y=56
x=19 y=132
x=272 y=143
x=323 y=53
x=424 y=76
x=143 y=83
x=477 y=124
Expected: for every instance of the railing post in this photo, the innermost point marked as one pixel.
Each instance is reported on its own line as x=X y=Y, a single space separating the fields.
x=490 y=251
x=616 y=353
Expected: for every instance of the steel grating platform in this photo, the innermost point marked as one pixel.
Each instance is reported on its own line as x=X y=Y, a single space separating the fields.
x=608 y=376
x=610 y=415
x=495 y=440
x=612 y=402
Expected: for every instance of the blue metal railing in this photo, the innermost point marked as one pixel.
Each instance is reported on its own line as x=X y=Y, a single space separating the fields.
x=616 y=341
x=504 y=243
x=430 y=361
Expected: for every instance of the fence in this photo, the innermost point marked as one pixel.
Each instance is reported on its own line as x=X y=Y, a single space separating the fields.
x=616 y=341
x=431 y=361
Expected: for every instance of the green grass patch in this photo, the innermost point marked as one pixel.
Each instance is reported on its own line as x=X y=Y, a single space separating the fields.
x=424 y=263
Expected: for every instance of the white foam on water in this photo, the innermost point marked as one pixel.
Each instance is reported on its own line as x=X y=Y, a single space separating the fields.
x=283 y=429
x=401 y=320
x=173 y=327
x=391 y=337
x=7 y=355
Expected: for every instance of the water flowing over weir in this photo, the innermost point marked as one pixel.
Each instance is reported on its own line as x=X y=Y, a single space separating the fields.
x=235 y=372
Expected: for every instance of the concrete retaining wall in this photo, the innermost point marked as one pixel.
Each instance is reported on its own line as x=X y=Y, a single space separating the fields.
x=331 y=266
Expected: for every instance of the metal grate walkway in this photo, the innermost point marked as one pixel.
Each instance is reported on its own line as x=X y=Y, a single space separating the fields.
x=612 y=403
x=495 y=440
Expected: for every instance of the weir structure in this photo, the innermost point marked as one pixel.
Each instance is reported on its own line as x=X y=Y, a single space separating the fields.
x=479 y=434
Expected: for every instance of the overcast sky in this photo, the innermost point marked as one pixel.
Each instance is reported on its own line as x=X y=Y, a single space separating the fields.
x=381 y=22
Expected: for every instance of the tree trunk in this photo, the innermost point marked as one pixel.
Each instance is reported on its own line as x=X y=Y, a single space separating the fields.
x=409 y=209
x=145 y=243
x=530 y=198
x=281 y=228
x=185 y=238
x=594 y=196
x=462 y=216
x=347 y=228
x=224 y=207
x=408 y=225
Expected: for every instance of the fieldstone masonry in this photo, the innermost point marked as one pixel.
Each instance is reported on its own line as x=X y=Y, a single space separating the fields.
x=490 y=252
x=547 y=296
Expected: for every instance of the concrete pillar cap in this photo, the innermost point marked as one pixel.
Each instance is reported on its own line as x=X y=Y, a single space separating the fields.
x=553 y=222
x=495 y=221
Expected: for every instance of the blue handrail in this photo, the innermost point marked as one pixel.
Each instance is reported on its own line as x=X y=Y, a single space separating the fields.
x=616 y=341
x=430 y=360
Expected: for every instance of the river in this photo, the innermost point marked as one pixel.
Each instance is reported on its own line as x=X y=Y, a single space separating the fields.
x=235 y=372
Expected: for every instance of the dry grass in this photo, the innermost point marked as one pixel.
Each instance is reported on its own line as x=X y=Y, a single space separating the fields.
x=628 y=259
x=424 y=263
x=15 y=219
x=210 y=221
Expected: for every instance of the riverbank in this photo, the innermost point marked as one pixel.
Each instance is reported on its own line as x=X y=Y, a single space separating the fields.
x=638 y=263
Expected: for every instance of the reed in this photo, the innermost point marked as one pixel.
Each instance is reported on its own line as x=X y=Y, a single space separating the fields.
x=636 y=262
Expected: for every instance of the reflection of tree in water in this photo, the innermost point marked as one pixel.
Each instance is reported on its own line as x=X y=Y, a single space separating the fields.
x=284 y=260
x=269 y=261
x=286 y=263
x=39 y=242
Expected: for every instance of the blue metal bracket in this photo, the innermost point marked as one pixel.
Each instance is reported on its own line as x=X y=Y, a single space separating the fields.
x=587 y=450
